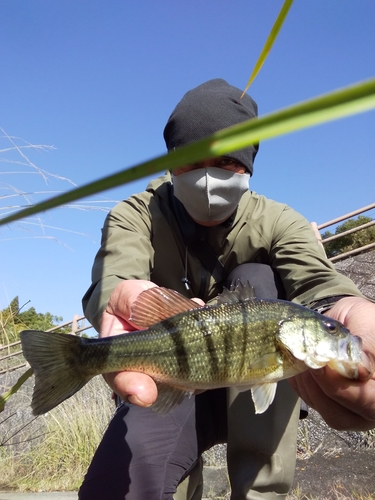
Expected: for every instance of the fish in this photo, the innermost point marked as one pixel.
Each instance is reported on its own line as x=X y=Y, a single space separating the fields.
x=238 y=341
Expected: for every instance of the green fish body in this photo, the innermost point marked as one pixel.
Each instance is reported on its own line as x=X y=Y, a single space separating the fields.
x=241 y=341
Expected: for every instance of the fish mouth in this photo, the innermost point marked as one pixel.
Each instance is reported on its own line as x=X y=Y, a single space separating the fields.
x=349 y=357
x=350 y=350
x=345 y=368
x=345 y=359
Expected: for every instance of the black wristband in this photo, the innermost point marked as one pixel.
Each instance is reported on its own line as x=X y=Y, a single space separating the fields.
x=324 y=305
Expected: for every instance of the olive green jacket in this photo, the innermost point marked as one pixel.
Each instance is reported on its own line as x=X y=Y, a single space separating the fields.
x=142 y=239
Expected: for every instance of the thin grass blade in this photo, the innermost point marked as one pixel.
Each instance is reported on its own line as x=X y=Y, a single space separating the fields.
x=269 y=42
x=4 y=397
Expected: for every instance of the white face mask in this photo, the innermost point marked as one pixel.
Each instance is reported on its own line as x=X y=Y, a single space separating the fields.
x=211 y=193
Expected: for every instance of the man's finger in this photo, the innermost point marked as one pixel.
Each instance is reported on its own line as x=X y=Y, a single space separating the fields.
x=134 y=387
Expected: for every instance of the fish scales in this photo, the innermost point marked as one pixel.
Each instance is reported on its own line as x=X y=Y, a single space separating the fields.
x=242 y=342
x=208 y=347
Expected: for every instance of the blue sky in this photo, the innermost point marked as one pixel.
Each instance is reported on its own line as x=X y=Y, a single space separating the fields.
x=98 y=79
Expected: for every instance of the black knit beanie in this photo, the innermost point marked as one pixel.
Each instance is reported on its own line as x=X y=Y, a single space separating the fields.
x=210 y=107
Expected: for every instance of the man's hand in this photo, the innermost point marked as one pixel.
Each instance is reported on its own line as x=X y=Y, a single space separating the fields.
x=137 y=388
x=345 y=404
x=134 y=387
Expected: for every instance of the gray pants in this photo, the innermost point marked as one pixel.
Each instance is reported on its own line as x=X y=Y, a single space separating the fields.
x=261 y=449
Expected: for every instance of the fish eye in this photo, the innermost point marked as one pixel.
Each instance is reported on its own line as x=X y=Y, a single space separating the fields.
x=331 y=327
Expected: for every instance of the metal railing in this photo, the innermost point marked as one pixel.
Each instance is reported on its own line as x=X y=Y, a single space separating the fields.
x=76 y=329
x=355 y=251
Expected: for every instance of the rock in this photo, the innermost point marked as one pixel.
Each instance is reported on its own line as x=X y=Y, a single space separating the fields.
x=215 y=482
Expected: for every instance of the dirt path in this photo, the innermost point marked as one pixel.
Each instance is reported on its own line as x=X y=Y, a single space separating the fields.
x=349 y=473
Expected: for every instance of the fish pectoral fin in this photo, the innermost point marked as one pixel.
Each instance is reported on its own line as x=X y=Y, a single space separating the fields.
x=237 y=293
x=158 y=303
x=266 y=361
x=168 y=398
x=263 y=395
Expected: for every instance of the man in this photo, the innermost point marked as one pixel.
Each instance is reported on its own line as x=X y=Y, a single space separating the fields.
x=195 y=231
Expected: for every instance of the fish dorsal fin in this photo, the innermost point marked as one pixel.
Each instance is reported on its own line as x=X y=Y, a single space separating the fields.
x=168 y=398
x=158 y=303
x=263 y=395
x=237 y=293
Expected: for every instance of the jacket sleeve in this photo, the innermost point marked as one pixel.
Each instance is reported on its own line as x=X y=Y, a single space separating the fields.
x=306 y=272
x=126 y=253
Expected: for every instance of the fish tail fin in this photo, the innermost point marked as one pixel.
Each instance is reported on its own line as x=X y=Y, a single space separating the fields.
x=54 y=358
